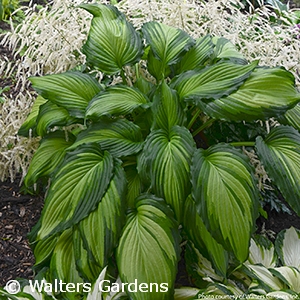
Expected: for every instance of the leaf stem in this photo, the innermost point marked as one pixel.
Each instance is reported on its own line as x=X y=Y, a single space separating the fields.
x=195 y=116
x=123 y=77
x=241 y=144
x=206 y=124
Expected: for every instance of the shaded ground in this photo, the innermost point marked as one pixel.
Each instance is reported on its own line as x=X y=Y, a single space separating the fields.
x=18 y=213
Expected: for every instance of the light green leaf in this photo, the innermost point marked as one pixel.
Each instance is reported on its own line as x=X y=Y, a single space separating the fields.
x=166 y=161
x=134 y=185
x=202 y=238
x=51 y=115
x=197 y=56
x=268 y=92
x=291 y=117
x=78 y=187
x=212 y=82
x=167 y=43
x=120 y=136
x=116 y=100
x=100 y=231
x=150 y=239
x=225 y=195
x=280 y=155
x=112 y=41
x=48 y=156
x=30 y=122
x=167 y=109
x=71 y=90
x=287 y=245
x=62 y=265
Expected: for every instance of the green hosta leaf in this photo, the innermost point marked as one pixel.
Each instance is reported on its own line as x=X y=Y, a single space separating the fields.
x=266 y=93
x=134 y=185
x=78 y=187
x=287 y=246
x=212 y=82
x=225 y=195
x=166 y=160
x=30 y=122
x=262 y=251
x=62 y=265
x=225 y=49
x=48 y=156
x=150 y=239
x=167 y=109
x=71 y=90
x=156 y=68
x=44 y=249
x=51 y=115
x=112 y=41
x=291 y=117
x=197 y=56
x=116 y=100
x=85 y=265
x=102 y=228
x=280 y=155
x=121 y=137
x=167 y=43
x=202 y=239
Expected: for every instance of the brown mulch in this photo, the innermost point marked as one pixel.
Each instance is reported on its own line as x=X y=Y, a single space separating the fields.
x=18 y=214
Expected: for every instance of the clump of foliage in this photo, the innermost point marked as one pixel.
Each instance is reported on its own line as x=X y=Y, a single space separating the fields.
x=131 y=171
x=7 y=7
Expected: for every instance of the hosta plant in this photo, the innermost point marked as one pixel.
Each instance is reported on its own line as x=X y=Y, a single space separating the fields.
x=132 y=170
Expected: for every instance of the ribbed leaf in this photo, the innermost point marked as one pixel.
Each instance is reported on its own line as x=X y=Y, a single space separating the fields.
x=51 y=115
x=167 y=43
x=197 y=56
x=166 y=161
x=112 y=41
x=287 y=245
x=167 y=109
x=212 y=82
x=280 y=155
x=121 y=137
x=150 y=239
x=86 y=266
x=225 y=49
x=102 y=228
x=71 y=90
x=116 y=100
x=225 y=196
x=266 y=93
x=186 y=293
x=62 y=265
x=291 y=117
x=134 y=185
x=78 y=187
x=202 y=239
x=48 y=156
x=44 y=249
x=30 y=122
